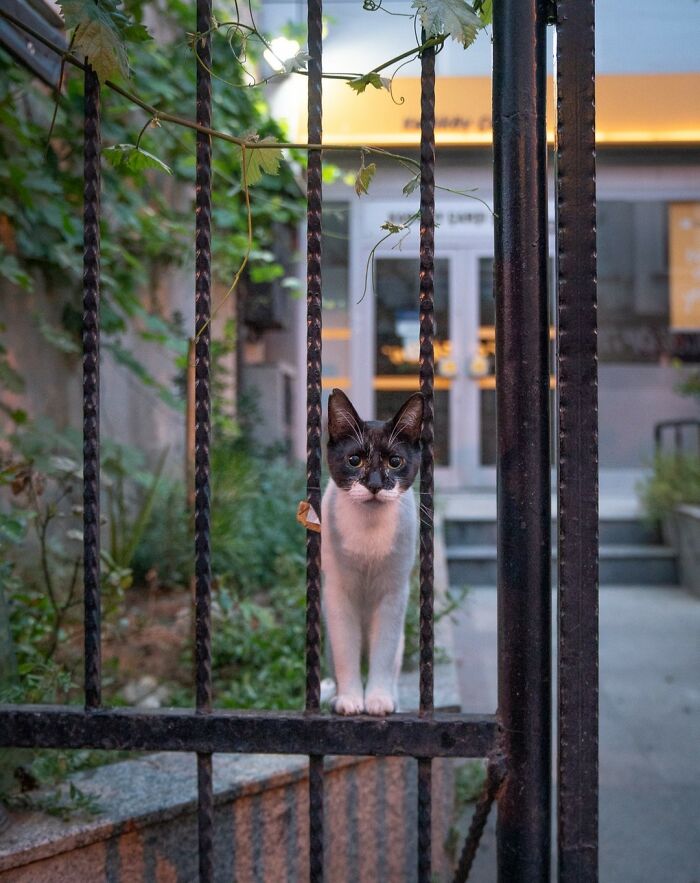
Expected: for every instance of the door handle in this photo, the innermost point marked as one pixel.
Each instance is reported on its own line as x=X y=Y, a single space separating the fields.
x=479 y=366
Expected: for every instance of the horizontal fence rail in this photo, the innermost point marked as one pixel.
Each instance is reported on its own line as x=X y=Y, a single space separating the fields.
x=444 y=734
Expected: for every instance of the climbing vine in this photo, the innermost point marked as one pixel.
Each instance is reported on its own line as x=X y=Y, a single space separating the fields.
x=40 y=231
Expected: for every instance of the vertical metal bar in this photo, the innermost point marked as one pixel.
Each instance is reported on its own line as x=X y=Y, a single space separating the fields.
x=313 y=425
x=91 y=391
x=205 y=791
x=577 y=402
x=522 y=395
x=426 y=371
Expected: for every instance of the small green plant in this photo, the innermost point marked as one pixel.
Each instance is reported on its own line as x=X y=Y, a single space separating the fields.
x=470 y=777
x=469 y=781
x=130 y=493
x=35 y=780
x=675 y=480
x=444 y=607
x=690 y=385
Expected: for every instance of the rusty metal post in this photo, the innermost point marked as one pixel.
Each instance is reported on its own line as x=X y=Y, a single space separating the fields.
x=577 y=400
x=522 y=395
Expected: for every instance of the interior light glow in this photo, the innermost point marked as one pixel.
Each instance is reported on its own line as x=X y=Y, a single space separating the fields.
x=281 y=50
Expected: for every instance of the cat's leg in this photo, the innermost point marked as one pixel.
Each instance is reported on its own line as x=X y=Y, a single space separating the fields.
x=385 y=652
x=345 y=637
x=398 y=663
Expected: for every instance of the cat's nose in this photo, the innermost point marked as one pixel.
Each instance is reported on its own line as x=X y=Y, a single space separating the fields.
x=374 y=482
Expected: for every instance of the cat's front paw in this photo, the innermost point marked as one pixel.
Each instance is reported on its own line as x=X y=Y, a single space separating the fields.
x=379 y=703
x=348 y=703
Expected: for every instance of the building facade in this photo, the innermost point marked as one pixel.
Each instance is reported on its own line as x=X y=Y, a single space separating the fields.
x=648 y=135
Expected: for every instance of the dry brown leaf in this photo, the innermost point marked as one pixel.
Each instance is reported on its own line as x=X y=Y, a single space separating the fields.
x=307 y=516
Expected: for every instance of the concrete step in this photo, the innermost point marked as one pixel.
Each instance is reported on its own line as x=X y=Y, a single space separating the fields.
x=620 y=565
x=613 y=532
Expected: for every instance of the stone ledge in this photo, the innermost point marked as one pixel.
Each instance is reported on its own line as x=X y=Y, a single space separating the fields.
x=158 y=789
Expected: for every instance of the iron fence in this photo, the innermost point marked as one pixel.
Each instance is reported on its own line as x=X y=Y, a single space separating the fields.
x=517 y=740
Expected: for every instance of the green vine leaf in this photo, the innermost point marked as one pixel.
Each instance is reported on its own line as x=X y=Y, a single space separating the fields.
x=56 y=336
x=391 y=227
x=134 y=159
x=101 y=31
x=484 y=9
x=411 y=185
x=297 y=63
x=364 y=177
x=259 y=162
x=102 y=49
x=456 y=18
x=371 y=79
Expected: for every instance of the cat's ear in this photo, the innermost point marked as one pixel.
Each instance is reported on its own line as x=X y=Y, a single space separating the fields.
x=408 y=420
x=343 y=419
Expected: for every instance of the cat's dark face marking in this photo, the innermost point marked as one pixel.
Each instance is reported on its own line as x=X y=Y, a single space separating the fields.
x=373 y=461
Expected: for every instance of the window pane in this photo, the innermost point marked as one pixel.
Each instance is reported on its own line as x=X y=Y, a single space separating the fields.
x=397 y=319
x=335 y=245
x=633 y=286
x=388 y=403
x=397 y=341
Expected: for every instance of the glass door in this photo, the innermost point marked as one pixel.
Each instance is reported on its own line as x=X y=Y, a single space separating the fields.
x=465 y=343
x=396 y=348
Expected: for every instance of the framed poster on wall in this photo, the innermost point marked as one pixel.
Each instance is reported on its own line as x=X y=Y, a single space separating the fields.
x=684 y=265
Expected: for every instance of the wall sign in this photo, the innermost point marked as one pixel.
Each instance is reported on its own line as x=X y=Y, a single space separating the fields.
x=684 y=265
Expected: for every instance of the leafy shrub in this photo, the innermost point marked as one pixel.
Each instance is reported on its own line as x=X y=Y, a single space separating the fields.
x=258 y=565
x=675 y=480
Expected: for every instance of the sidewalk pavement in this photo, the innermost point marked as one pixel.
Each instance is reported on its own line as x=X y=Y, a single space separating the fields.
x=649 y=728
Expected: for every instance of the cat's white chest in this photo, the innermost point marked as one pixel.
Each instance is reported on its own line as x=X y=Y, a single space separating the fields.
x=368 y=530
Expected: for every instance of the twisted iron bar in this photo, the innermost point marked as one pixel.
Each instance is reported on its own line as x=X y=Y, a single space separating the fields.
x=495 y=773
x=203 y=677
x=91 y=390
x=313 y=427
x=313 y=363
x=426 y=372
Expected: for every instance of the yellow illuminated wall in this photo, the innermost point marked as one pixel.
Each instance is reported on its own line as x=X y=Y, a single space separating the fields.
x=631 y=109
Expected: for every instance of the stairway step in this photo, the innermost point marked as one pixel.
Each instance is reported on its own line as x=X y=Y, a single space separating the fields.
x=479 y=532
x=619 y=565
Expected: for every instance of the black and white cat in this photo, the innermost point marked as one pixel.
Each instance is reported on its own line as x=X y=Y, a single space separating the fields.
x=369 y=522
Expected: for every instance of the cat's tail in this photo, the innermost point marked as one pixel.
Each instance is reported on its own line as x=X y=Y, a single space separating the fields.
x=328 y=690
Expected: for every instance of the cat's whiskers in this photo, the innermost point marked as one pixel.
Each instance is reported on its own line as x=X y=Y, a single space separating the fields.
x=352 y=423
x=395 y=431
x=423 y=509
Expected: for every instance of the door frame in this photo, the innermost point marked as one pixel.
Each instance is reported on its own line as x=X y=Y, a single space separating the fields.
x=463 y=312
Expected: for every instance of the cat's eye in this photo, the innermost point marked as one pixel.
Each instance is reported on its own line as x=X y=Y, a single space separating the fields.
x=354 y=460
x=395 y=462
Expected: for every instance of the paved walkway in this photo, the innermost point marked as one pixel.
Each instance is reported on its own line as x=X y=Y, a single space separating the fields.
x=649 y=728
